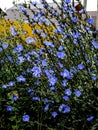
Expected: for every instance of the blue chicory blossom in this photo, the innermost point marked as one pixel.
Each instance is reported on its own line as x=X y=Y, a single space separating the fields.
x=9 y=58
x=77 y=93
x=13 y=31
x=74 y=19
x=94 y=77
x=48 y=43
x=15 y=97
x=82 y=11
x=66 y=74
x=61 y=48
x=18 y=48
x=20 y=59
x=1 y=49
x=43 y=35
x=60 y=65
x=36 y=71
x=26 y=118
x=75 y=34
x=4 y=45
x=52 y=88
x=60 y=30
x=11 y=83
x=4 y=86
x=60 y=55
x=45 y=5
x=37 y=82
x=80 y=66
x=31 y=91
x=64 y=108
x=46 y=100
x=30 y=40
x=34 y=3
x=54 y=114
x=21 y=79
x=44 y=63
x=90 y=20
x=52 y=80
x=68 y=92
x=90 y=118
x=9 y=108
x=64 y=83
x=47 y=73
x=66 y=98
x=22 y=9
x=46 y=108
x=95 y=44
x=36 y=98
x=75 y=41
x=68 y=1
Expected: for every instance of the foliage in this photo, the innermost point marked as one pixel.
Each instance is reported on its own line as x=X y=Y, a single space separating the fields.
x=52 y=87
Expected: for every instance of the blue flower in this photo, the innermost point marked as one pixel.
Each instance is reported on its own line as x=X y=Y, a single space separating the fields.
x=74 y=19
x=4 y=86
x=36 y=71
x=80 y=66
x=54 y=114
x=60 y=65
x=9 y=108
x=13 y=31
x=90 y=20
x=60 y=30
x=64 y=108
x=66 y=74
x=22 y=9
x=30 y=40
x=82 y=11
x=1 y=49
x=46 y=5
x=75 y=41
x=52 y=80
x=68 y=1
x=36 y=98
x=18 y=48
x=95 y=44
x=64 y=83
x=9 y=58
x=11 y=83
x=43 y=35
x=21 y=59
x=31 y=91
x=46 y=108
x=60 y=55
x=90 y=118
x=67 y=92
x=14 y=97
x=47 y=43
x=21 y=79
x=44 y=63
x=77 y=93
x=52 y=88
x=34 y=3
x=4 y=45
x=26 y=118
x=46 y=100
x=94 y=77
x=66 y=98
x=75 y=34
x=61 y=48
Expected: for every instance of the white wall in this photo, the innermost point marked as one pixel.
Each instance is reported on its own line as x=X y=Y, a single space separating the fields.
x=91 y=4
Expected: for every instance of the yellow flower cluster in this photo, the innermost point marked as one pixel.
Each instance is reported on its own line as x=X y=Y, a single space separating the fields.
x=5 y=33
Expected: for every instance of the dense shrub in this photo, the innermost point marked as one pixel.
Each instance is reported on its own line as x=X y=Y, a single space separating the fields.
x=52 y=87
